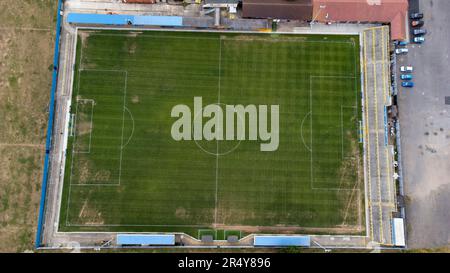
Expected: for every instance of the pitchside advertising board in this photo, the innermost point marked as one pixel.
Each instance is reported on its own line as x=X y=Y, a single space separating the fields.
x=227 y=123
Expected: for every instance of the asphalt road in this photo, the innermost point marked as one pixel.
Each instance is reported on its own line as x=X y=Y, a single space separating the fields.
x=425 y=124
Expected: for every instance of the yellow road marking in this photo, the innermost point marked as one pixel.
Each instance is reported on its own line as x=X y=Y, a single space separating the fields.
x=376 y=135
x=383 y=63
x=389 y=180
x=383 y=204
x=385 y=81
x=366 y=132
x=375 y=28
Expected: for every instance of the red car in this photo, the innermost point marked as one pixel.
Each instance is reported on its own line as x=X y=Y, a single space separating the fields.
x=417 y=23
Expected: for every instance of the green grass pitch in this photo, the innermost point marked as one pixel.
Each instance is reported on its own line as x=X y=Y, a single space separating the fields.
x=124 y=172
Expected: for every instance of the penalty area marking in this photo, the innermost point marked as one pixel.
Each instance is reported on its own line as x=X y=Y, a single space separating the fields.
x=73 y=144
x=351 y=190
x=122 y=131
x=311 y=132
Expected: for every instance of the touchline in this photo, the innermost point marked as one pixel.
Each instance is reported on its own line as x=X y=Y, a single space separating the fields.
x=235 y=123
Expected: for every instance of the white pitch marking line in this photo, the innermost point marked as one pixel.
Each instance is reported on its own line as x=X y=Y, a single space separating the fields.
x=123 y=124
x=217 y=155
x=342 y=134
x=217 y=141
x=132 y=130
x=301 y=131
x=311 y=111
x=311 y=130
x=92 y=125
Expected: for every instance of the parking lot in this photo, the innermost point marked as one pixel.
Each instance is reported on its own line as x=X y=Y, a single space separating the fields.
x=425 y=124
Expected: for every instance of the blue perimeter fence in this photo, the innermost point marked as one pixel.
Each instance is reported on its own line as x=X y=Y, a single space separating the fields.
x=49 y=127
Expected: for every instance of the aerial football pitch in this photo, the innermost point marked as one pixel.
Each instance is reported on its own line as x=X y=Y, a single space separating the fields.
x=125 y=170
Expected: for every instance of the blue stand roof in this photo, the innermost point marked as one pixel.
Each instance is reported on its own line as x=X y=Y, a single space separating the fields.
x=118 y=19
x=280 y=240
x=145 y=239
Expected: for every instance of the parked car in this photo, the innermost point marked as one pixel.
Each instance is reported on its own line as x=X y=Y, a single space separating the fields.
x=417 y=23
x=419 y=31
x=406 y=68
x=402 y=43
x=416 y=16
x=407 y=84
x=419 y=39
x=406 y=77
x=401 y=51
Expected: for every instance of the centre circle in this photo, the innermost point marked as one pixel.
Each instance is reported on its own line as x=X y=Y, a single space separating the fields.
x=216 y=153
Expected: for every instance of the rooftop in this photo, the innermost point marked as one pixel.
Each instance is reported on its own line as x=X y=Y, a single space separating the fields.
x=383 y=11
x=278 y=9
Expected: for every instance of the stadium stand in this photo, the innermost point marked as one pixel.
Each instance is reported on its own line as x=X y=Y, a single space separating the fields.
x=145 y=239
x=282 y=241
x=116 y=19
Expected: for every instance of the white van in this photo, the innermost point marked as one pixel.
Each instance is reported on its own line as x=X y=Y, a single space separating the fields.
x=406 y=68
x=401 y=50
